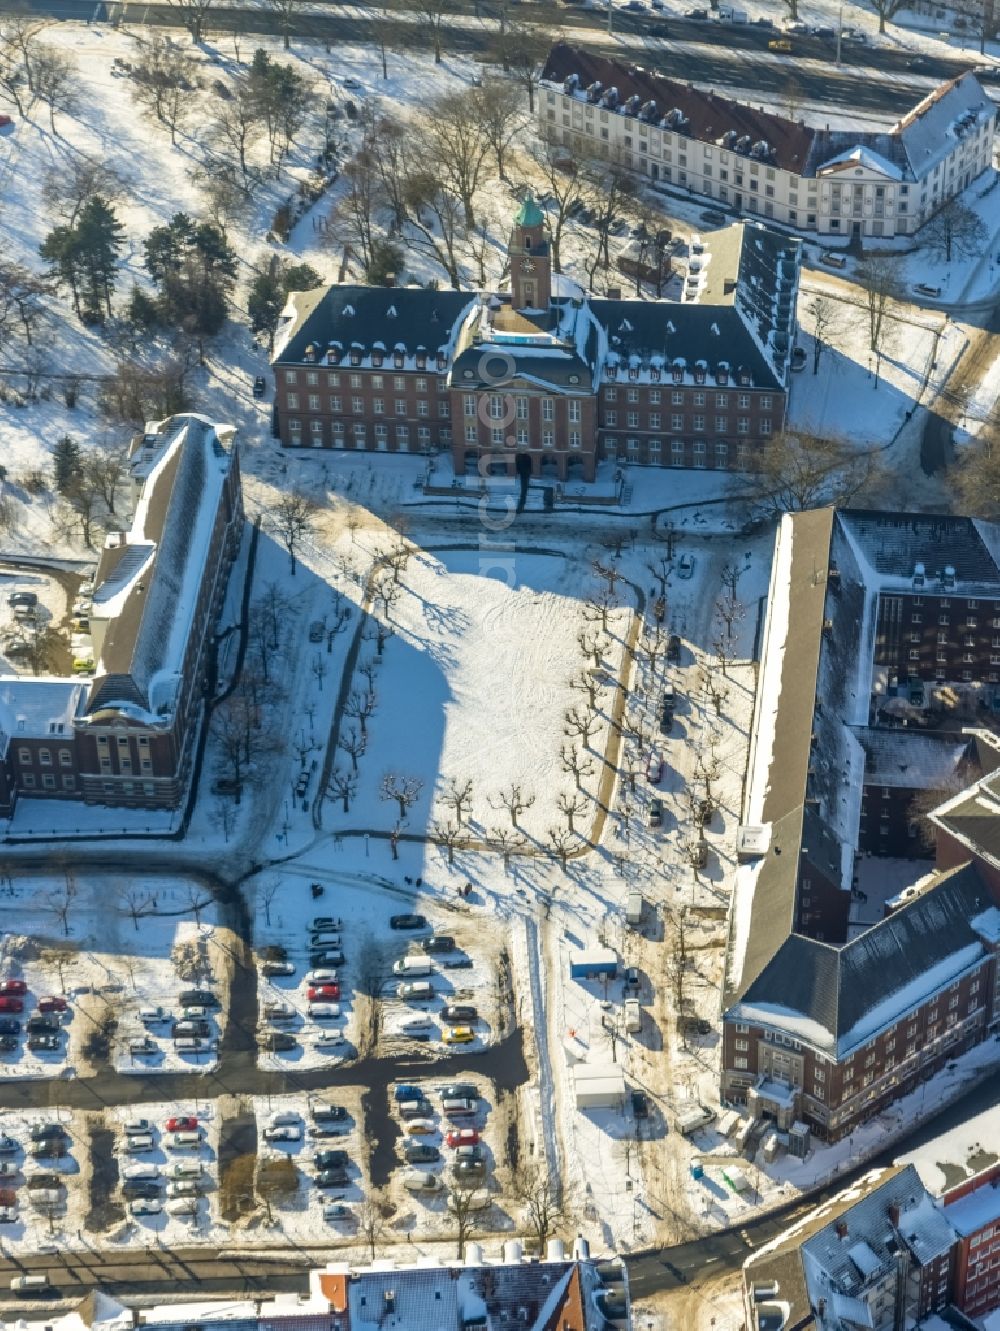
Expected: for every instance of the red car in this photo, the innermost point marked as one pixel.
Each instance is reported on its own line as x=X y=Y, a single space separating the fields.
x=319 y=993
x=52 y=1004
x=13 y=987
x=183 y=1124
x=462 y=1137
x=8 y=1004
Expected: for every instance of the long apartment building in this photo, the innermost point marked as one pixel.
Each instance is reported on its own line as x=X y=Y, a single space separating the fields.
x=825 y=1022
x=548 y=381
x=756 y=163
x=127 y=735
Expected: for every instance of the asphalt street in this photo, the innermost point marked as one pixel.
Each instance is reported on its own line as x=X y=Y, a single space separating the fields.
x=719 y=55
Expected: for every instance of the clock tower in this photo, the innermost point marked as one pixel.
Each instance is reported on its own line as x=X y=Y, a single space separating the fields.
x=530 y=259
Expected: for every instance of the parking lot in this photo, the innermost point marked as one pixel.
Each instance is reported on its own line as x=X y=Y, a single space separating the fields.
x=44 y=621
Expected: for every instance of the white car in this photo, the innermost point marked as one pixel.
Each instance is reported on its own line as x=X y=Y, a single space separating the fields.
x=152 y=1016
x=321 y=977
x=685 y=566
x=286 y=1133
x=328 y=1040
x=324 y=1011
x=184 y=1169
x=352 y=85
x=135 y=1145
x=414 y=1180
x=183 y=1206
x=145 y=1206
x=137 y=1127
x=284 y=1117
x=416 y=1026
x=476 y=1201
x=183 y=1187
x=141 y=1172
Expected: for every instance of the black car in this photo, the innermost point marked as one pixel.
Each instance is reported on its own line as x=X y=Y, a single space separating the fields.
x=438 y=943
x=666 y=719
x=712 y=217
x=277 y=1041
x=407 y=922
x=332 y=1178
x=674 y=647
x=335 y=1112
x=469 y=1168
x=460 y=1090
x=43 y=1043
x=197 y=998
x=459 y=1014
x=259 y=386
x=328 y=957
x=196 y=1027
x=8 y=1043
x=332 y=1160
x=22 y=600
x=10 y=1026
x=419 y=1153
x=135 y=1188
x=42 y=1026
x=640 y=1105
x=43 y=1131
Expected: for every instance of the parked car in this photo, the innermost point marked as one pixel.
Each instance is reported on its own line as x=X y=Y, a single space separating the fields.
x=420 y=1153
x=145 y=1206
x=459 y=1012
x=478 y=1200
x=272 y=969
x=420 y=1127
x=640 y=1105
x=833 y=260
x=334 y=1211
x=325 y=938
x=44 y=1044
x=331 y=1159
x=324 y=1011
x=279 y=1012
x=712 y=216
x=329 y=1040
x=415 y=990
x=457 y=1035
x=457 y=1108
x=781 y=45
x=22 y=600
x=259 y=385
x=666 y=718
x=460 y=1090
x=418 y=1107
x=52 y=1003
x=11 y=1003
x=685 y=566
x=416 y=1180
x=407 y=922
x=654 y=769
x=197 y=998
x=462 y=1137
x=182 y=1141
x=416 y=1026
x=287 y=1132
x=197 y=1028
x=42 y=1025
x=153 y=1016
x=183 y=1206
x=674 y=647
x=140 y=1190
x=327 y=957
x=278 y=1042
x=13 y=987
x=322 y=992
x=49 y=1147
x=331 y=1178
x=140 y=1142
x=322 y=977
x=438 y=943
x=182 y=1123
x=321 y=1109
x=282 y=1117
x=404 y=1091
x=8 y=1145
x=10 y=1026
x=699 y=14
x=656 y=813
x=193 y=1044
x=926 y=289
x=326 y=922
x=469 y=1169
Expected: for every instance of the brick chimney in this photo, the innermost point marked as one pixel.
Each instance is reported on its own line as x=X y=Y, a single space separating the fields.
x=841 y=1229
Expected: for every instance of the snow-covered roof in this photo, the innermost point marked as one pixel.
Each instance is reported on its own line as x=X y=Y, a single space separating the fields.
x=976 y=1209
x=864 y=157
x=38 y=708
x=947 y=114
x=149 y=579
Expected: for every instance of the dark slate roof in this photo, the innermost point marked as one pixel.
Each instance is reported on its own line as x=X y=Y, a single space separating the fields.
x=849 y=993
x=894 y=542
x=364 y=315
x=710 y=115
x=561 y=366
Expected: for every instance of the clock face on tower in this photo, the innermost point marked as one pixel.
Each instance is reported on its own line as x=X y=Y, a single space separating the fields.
x=527 y=265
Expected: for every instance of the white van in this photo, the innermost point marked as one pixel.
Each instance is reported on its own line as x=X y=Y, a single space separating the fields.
x=416 y=991
x=146 y=1173
x=633 y=909
x=193 y=1044
x=181 y=1141
x=324 y=1011
x=633 y=1016
x=152 y=1016
x=413 y=966
x=25 y=1283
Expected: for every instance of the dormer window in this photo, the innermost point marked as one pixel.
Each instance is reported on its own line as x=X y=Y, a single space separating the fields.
x=699 y=374
x=442 y=361
x=376 y=357
x=333 y=355
x=745 y=378
x=612 y=371
x=654 y=373
x=397 y=359
x=355 y=355
x=633 y=372
x=678 y=374
x=421 y=359
x=721 y=376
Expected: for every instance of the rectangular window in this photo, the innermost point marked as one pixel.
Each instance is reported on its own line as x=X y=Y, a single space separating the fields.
x=548 y=413
x=355 y=380
x=400 y=406
x=574 y=410
x=45 y=757
x=293 y=401
x=378 y=406
x=336 y=404
x=69 y=782
x=633 y=420
x=358 y=405
x=469 y=407
x=471 y=434
x=611 y=418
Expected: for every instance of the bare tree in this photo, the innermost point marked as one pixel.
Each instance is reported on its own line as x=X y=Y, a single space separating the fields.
x=825 y=314
x=462 y=1205
x=571 y=805
x=563 y=184
x=954 y=230
x=405 y=790
x=268 y=891
x=286 y=10
x=359 y=706
x=105 y=467
x=431 y=15
x=386 y=592
x=162 y=83
x=585 y=683
x=18 y=47
x=291 y=520
x=76 y=179
x=343 y=786
x=194 y=15
x=458 y=797
x=608 y=572
x=60 y=900
x=729 y=612
x=878 y=279
x=515 y=800
x=562 y=841
x=57 y=80
x=693 y=850
x=500 y=115
x=370 y=1215
x=597 y=609
x=21 y=300
x=508 y=842
x=353 y=744
x=708 y=765
x=522 y=51
x=609 y=192
x=576 y=764
x=660 y=570
x=581 y=723
x=138 y=903
x=591 y=644
x=543 y=1202
x=796 y=470
x=450 y=836
x=237 y=122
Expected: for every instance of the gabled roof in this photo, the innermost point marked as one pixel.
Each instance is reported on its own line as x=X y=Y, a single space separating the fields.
x=411 y=317
x=930 y=131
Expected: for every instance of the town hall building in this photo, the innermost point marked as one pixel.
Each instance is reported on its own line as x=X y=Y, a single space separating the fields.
x=545 y=376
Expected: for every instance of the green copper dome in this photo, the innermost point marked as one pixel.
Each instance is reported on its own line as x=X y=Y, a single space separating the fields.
x=529 y=213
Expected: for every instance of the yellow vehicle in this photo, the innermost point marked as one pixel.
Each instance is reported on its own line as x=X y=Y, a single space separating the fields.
x=83 y=665
x=780 y=44
x=458 y=1035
